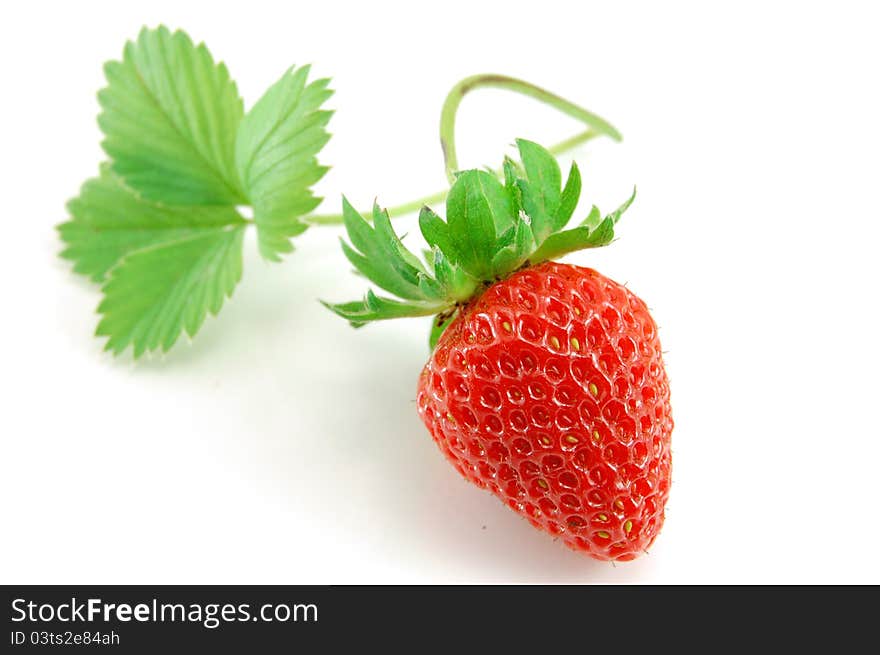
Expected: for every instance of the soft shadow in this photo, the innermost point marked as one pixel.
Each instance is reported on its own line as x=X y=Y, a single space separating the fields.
x=428 y=510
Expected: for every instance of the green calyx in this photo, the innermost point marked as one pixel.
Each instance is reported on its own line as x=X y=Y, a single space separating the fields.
x=493 y=227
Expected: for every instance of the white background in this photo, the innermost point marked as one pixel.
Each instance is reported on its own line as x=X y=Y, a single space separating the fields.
x=284 y=447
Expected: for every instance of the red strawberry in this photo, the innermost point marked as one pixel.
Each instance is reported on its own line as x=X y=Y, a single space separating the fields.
x=549 y=391
x=546 y=382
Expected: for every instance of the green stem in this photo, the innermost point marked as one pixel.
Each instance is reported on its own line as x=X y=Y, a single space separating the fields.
x=440 y=196
x=453 y=100
x=399 y=210
x=596 y=127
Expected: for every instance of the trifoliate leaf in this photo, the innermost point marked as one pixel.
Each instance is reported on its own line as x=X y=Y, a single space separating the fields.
x=170 y=116
x=160 y=226
x=154 y=294
x=109 y=221
x=275 y=156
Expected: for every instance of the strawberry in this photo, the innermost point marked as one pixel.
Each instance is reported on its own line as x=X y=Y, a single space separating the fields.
x=546 y=383
x=549 y=390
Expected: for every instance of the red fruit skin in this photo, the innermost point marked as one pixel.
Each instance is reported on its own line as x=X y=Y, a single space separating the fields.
x=549 y=390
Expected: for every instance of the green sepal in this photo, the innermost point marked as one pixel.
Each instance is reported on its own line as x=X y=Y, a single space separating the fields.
x=541 y=190
x=568 y=200
x=376 y=308
x=617 y=213
x=593 y=218
x=478 y=210
x=428 y=256
x=577 y=238
x=439 y=325
x=377 y=253
x=512 y=172
x=458 y=286
x=436 y=232
x=516 y=252
x=590 y=234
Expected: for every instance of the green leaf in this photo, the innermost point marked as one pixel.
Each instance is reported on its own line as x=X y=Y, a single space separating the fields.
x=376 y=308
x=170 y=116
x=541 y=190
x=275 y=156
x=154 y=294
x=109 y=221
x=478 y=209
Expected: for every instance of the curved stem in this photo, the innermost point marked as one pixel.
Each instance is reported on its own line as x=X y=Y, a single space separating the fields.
x=569 y=143
x=596 y=126
x=489 y=80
